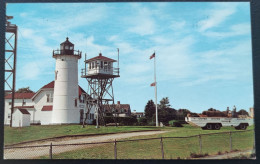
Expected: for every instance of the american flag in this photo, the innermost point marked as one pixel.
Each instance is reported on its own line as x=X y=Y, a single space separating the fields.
x=153 y=84
x=152 y=56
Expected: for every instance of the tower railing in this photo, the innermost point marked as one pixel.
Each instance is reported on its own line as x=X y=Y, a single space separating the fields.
x=104 y=70
x=66 y=52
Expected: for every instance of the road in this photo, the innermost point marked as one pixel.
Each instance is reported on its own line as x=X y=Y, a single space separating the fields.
x=34 y=152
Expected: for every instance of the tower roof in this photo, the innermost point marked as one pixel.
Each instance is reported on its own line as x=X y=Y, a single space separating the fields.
x=100 y=57
x=67 y=42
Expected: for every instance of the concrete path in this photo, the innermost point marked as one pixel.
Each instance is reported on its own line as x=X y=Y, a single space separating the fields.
x=34 y=152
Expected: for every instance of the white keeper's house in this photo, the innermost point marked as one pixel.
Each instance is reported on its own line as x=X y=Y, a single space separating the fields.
x=61 y=101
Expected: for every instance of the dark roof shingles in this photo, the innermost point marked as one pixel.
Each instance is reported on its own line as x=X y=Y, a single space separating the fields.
x=23 y=111
x=47 y=108
x=20 y=95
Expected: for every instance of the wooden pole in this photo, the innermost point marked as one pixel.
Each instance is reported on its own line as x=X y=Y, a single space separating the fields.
x=162 y=148
x=230 y=139
x=200 y=144
x=51 y=150
x=115 y=150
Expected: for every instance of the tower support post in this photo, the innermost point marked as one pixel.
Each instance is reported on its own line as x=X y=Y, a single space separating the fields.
x=10 y=61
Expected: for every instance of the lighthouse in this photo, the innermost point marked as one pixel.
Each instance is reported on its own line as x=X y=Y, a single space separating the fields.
x=65 y=98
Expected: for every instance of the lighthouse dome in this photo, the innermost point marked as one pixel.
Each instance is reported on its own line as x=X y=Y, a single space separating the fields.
x=67 y=47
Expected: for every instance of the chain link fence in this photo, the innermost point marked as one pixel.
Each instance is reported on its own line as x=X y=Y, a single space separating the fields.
x=149 y=148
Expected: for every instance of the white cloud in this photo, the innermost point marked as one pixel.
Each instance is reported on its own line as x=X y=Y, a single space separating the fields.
x=142 y=23
x=216 y=16
x=177 y=25
x=29 y=71
x=234 y=30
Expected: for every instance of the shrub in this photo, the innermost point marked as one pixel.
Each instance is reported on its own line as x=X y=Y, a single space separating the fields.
x=175 y=123
x=194 y=155
x=151 y=124
x=142 y=121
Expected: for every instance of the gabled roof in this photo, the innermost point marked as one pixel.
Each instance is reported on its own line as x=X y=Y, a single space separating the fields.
x=20 y=96
x=50 y=85
x=81 y=91
x=47 y=108
x=100 y=57
x=23 y=111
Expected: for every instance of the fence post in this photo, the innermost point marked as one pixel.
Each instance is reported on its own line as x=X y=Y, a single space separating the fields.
x=115 y=150
x=230 y=139
x=162 y=148
x=200 y=143
x=51 y=150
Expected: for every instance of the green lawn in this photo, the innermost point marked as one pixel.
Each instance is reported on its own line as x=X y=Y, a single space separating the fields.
x=173 y=148
x=16 y=135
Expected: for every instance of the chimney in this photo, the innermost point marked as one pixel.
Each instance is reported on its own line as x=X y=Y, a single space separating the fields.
x=118 y=102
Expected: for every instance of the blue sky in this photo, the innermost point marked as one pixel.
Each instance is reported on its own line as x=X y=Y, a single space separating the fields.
x=203 y=50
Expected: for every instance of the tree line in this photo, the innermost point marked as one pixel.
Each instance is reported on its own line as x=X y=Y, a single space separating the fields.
x=167 y=113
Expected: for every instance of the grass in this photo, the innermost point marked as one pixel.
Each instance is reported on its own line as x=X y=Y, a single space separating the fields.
x=17 y=135
x=173 y=148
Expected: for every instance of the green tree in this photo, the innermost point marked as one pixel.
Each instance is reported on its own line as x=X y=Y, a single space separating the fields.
x=165 y=112
x=242 y=112
x=212 y=109
x=182 y=113
x=164 y=103
x=24 y=90
x=149 y=110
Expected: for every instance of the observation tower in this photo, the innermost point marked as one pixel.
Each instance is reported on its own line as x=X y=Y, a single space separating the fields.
x=100 y=72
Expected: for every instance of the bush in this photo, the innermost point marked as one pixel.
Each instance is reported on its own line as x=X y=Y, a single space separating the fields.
x=94 y=122
x=142 y=121
x=151 y=124
x=175 y=123
x=121 y=120
x=194 y=155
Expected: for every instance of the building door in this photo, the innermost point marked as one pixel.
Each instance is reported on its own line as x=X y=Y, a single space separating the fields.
x=81 y=116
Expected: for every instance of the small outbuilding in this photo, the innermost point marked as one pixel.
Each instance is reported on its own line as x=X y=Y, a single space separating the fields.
x=21 y=118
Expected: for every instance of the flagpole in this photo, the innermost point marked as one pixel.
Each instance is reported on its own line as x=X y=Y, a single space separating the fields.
x=155 y=90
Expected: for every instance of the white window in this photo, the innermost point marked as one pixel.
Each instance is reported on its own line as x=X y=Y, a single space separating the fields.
x=101 y=64
x=49 y=97
x=92 y=64
x=66 y=47
x=71 y=47
x=89 y=66
x=76 y=102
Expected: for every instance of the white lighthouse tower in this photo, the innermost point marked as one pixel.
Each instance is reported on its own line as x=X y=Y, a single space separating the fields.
x=65 y=100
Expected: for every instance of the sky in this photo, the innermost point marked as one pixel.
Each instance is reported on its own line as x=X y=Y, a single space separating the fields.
x=203 y=50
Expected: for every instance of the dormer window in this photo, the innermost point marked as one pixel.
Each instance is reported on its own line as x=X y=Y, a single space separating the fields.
x=66 y=47
x=71 y=47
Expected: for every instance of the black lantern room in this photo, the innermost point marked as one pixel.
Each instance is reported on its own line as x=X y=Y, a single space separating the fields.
x=67 y=48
